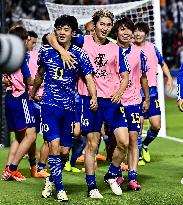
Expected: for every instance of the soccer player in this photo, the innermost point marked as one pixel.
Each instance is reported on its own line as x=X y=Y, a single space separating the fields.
x=180 y=93
x=37 y=171
x=89 y=28
x=58 y=104
x=154 y=58
x=18 y=114
x=180 y=89
x=111 y=78
x=131 y=99
x=32 y=40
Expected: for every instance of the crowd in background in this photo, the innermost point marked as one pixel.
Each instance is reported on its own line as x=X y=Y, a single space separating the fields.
x=172 y=32
x=171 y=15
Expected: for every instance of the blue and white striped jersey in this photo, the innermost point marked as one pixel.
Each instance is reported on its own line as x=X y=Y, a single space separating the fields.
x=60 y=82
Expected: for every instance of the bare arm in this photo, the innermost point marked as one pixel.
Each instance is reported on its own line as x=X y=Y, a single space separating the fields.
x=93 y=92
x=145 y=88
x=168 y=75
x=124 y=84
x=37 y=82
x=30 y=81
x=66 y=56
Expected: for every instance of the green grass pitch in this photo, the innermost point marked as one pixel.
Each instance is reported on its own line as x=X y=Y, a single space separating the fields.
x=160 y=179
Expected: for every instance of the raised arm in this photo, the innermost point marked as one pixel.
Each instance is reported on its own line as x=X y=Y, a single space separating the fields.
x=66 y=56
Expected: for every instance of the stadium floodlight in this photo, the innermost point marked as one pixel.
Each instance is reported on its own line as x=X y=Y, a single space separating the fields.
x=145 y=10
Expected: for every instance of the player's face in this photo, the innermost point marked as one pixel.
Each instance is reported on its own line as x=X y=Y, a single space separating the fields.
x=139 y=36
x=103 y=27
x=124 y=34
x=31 y=42
x=90 y=29
x=63 y=34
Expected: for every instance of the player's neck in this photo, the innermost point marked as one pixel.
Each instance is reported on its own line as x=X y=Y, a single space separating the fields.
x=141 y=44
x=66 y=45
x=123 y=44
x=98 y=40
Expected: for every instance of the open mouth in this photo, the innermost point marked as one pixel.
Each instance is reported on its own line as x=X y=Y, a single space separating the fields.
x=62 y=38
x=103 y=33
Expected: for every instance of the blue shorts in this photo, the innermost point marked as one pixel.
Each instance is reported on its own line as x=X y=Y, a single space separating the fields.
x=107 y=112
x=36 y=110
x=18 y=112
x=57 y=123
x=133 y=113
x=154 y=108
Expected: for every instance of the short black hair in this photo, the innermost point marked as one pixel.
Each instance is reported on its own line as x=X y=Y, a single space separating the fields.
x=44 y=39
x=64 y=20
x=32 y=34
x=120 y=23
x=19 y=31
x=142 y=26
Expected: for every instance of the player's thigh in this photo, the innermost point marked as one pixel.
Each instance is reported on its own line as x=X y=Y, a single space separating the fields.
x=50 y=122
x=67 y=128
x=133 y=117
x=114 y=116
x=91 y=121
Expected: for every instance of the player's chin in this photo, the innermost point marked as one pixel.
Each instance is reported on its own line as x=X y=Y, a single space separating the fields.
x=61 y=40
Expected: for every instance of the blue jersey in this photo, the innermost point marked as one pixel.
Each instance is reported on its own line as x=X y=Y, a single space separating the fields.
x=160 y=58
x=25 y=67
x=180 y=84
x=60 y=82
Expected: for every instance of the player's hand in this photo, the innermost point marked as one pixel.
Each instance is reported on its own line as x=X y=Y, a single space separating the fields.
x=93 y=104
x=115 y=98
x=68 y=59
x=170 y=83
x=145 y=105
x=37 y=98
x=180 y=105
x=7 y=82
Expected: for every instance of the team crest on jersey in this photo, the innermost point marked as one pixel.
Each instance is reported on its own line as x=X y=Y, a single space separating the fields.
x=100 y=62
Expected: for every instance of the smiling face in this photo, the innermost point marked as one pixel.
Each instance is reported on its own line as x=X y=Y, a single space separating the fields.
x=63 y=34
x=103 y=27
x=139 y=36
x=124 y=34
